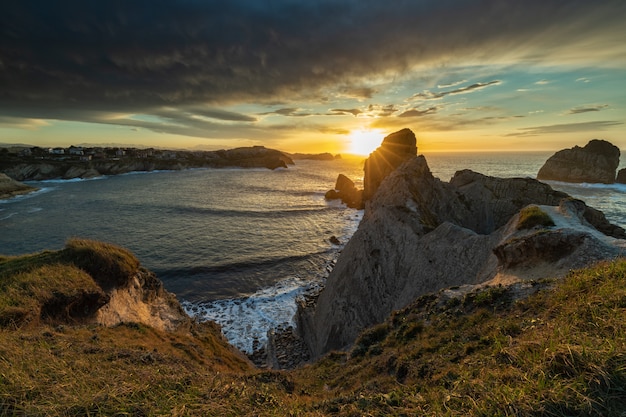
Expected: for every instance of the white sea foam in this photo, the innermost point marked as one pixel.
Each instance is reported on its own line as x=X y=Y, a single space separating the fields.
x=247 y=319
x=8 y=216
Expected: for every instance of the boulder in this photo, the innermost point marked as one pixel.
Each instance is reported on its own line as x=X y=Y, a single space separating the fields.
x=419 y=235
x=395 y=149
x=347 y=192
x=597 y=162
x=621 y=176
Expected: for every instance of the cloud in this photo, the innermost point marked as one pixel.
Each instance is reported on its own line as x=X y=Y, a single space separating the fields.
x=452 y=84
x=290 y=111
x=353 y=112
x=566 y=128
x=587 y=109
x=60 y=60
x=428 y=95
x=418 y=113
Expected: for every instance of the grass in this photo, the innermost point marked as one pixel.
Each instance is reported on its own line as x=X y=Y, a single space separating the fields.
x=532 y=216
x=559 y=352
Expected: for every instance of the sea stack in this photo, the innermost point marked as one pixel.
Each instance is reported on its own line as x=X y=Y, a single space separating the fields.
x=395 y=149
x=597 y=162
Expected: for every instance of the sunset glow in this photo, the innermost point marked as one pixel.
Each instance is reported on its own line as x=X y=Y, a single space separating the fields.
x=364 y=142
x=190 y=77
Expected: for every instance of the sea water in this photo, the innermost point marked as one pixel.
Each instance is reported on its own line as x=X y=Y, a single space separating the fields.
x=235 y=245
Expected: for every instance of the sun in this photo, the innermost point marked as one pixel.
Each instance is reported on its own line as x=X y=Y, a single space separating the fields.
x=364 y=142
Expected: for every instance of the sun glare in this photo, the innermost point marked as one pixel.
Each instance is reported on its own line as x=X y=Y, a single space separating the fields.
x=364 y=142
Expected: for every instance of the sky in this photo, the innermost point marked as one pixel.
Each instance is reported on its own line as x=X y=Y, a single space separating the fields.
x=313 y=76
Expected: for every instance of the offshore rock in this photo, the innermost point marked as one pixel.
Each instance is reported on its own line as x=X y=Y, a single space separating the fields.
x=395 y=149
x=621 y=176
x=419 y=235
x=597 y=162
x=347 y=192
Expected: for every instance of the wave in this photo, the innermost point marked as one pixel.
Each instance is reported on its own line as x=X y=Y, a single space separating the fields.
x=29 y=195
x=245 y=321
x=260 y=214
x=232 y=267
x=588 y=185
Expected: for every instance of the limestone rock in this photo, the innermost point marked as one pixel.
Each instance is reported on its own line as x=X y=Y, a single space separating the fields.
x=621 y=176
x=395 y=149
x=10 y=188
x=597 y=162
x=419 y=235
x=347 y=192
x=255 y=157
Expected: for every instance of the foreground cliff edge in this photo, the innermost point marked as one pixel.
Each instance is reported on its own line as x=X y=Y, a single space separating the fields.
x=539 y=348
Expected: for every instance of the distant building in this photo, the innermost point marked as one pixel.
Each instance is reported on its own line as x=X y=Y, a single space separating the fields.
x=77 y=150
x=57 y=151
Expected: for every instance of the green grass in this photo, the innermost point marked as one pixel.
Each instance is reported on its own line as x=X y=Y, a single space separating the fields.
x=559 y=352
x=532 y=216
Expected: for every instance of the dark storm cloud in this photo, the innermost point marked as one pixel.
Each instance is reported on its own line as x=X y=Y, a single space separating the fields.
x=63 y=59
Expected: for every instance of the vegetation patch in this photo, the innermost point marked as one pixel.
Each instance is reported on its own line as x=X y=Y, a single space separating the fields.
x=533 y=216
x=558 y=352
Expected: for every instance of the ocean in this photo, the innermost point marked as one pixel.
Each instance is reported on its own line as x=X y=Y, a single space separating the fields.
x=235 y=245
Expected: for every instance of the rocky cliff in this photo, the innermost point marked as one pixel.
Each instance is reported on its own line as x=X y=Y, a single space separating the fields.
x=596 y=162
x=395 y=149
x=88 y=282
x=420 y=234
x=246 y=157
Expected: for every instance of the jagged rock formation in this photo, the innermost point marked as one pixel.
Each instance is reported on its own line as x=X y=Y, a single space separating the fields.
x=10 y=188
x=597 y=162
x=394 y=150
x=347 y=192
x=621 y=176
x=419 y=235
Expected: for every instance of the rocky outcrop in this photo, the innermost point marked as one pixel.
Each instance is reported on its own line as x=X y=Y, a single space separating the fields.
x=346 y=191
x=253 y=157
x=395 y=149
x=419 y=235
x=10 y=188
x=326 y=156
x=142 y=300
x=130 y=292
x=621 y=176
x=597 y=162
x=247 y=157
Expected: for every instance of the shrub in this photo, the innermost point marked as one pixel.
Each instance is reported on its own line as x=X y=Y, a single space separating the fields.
x=532 y=216
x=109 y=265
